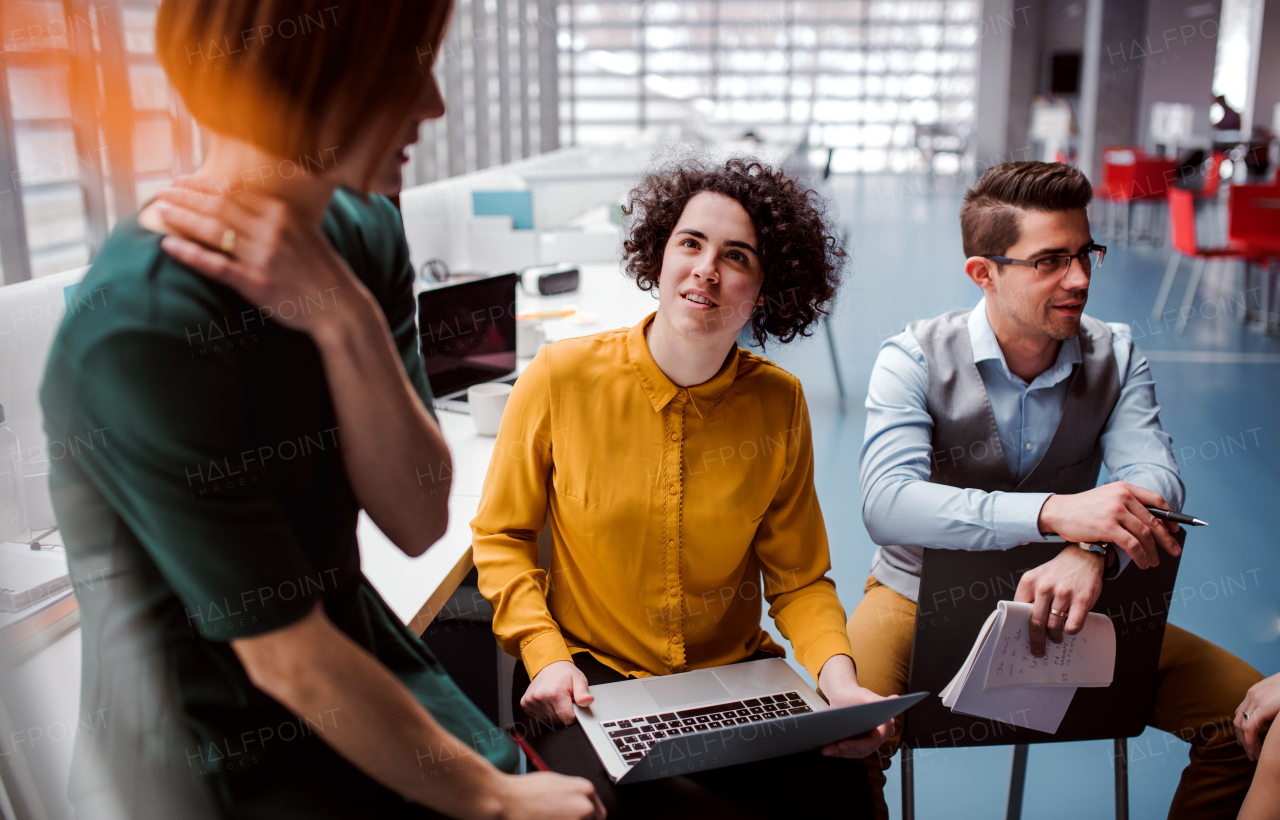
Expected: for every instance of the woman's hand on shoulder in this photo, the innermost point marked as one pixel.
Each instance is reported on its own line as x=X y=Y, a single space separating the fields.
x=259 y=247
x=553 y=692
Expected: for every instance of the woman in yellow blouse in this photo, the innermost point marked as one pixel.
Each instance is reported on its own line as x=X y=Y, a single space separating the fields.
x=676 y=470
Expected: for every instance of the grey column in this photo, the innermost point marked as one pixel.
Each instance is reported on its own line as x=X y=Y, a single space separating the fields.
x=90 y=153
x=455 y=120
x=1108 y=87
x=504 y=82
x=1265 y=92
x=14 y=253
x=522 y=11
x=480 y=75
x=548 y=77
x=117 y=103
x=1089 y=69
x=1025 y=82
x=642 y=90
x=995 y=51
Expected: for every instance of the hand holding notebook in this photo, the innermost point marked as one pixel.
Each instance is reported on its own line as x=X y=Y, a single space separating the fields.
x=1003 y=681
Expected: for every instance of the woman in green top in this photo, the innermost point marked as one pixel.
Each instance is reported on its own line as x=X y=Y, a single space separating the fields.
x=242 y=664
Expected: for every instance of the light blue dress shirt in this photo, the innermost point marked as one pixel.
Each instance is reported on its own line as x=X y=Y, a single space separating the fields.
x=901 y=506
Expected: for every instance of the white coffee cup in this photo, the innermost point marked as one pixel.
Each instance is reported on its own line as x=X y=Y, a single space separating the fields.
x=530 y=336
x=487 y=402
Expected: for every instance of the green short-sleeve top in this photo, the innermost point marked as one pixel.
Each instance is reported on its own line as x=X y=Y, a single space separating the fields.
x=203 y=498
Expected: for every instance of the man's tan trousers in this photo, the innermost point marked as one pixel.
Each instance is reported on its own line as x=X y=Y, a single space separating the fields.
x=1198 y=687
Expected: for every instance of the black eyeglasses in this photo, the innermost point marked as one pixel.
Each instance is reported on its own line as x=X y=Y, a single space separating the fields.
x=1091 y=257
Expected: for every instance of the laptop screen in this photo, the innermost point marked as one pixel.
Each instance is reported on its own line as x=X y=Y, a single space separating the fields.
x=467 y=332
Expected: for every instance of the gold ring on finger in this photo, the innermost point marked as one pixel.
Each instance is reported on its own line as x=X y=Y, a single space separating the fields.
x=228 y=243
x=1059 y=613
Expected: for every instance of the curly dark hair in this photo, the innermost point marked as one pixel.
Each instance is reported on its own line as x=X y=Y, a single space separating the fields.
x=801 y=256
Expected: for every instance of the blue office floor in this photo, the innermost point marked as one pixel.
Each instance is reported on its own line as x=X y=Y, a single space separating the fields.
x=907 y=259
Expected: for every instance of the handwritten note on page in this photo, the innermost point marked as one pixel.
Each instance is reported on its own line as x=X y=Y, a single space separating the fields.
x=1087 y=658
x=1028 y=691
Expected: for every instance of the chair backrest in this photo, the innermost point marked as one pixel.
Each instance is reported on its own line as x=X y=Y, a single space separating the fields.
x=1254 y=215
x=1151 y=177
x=1213 y=175
x=959 y=589
x=1117 y=173
x=1182 y=221
x=1129 y=174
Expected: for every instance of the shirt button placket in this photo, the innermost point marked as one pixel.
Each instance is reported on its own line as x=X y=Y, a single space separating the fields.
x=674 y=498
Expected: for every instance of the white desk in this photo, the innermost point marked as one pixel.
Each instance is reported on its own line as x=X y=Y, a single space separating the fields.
x=417 y=588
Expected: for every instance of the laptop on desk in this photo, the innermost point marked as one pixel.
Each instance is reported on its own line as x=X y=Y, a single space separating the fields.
x=651 y=728
x=467 y=335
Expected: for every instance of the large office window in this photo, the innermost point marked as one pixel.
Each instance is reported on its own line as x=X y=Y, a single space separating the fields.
x=90 y=127
x=868 y=78
x=497 y=70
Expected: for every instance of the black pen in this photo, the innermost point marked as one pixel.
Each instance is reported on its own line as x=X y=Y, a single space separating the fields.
x=1177 y=518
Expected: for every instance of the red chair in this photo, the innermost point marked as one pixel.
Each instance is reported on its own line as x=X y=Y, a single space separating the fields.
x=1255 y=217
x=1253 y=224
x=1129 y=175
x=1182 y=232
x=1212 y=176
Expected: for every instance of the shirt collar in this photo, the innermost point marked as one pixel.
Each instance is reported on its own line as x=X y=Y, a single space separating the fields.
x=662 y=390
x=982 y=338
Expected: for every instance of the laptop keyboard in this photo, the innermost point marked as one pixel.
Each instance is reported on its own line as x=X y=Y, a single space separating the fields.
x=634 y=736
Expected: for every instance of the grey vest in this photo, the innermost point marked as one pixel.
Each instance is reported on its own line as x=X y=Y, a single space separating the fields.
x=966 y=441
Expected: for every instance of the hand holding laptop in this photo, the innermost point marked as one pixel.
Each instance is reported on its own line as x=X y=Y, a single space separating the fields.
x=839 y=682
x=553 y=692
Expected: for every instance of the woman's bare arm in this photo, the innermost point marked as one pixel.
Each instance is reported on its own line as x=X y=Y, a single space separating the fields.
x=354 y=704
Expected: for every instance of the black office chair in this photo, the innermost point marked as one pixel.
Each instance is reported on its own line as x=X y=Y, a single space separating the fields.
x=958 y=590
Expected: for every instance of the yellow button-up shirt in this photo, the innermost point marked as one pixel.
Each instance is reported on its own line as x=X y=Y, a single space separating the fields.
x=673 y=513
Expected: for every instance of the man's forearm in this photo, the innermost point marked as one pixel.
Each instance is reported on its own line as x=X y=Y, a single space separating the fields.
x=396 y=458
x=904 y=511
x=366 y=715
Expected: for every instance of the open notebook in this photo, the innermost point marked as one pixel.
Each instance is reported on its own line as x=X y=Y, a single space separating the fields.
x=1002 y=680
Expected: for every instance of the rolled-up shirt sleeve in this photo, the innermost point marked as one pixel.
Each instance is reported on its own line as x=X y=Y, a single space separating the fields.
x=1135 y=448
x=899 y=503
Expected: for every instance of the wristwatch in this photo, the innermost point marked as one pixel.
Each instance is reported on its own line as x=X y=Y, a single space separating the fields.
x=1106 y=550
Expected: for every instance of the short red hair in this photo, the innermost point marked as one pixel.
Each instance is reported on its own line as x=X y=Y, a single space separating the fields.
x=273 y=72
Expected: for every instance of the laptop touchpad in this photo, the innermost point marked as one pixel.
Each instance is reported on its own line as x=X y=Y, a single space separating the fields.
x=682 y=690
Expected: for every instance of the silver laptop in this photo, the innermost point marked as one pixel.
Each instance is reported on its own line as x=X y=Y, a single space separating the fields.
x=467 y=335
x=658 y=727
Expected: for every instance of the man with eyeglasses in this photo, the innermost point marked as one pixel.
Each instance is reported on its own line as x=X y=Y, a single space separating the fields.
x=988 y=427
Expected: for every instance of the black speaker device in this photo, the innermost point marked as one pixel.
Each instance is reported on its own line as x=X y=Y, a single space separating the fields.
x=549 y=279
